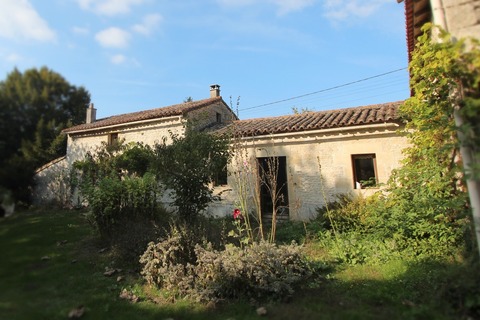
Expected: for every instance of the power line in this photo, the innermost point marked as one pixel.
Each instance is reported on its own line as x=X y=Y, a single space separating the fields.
x=324 y=90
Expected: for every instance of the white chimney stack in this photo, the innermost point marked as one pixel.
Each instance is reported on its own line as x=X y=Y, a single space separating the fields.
x=214 y=91
x=91 y=113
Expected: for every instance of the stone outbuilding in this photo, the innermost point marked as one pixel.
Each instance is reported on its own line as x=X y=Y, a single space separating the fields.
x=317 y=155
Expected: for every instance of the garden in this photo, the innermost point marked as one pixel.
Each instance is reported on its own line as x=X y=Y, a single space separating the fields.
x=407 y=252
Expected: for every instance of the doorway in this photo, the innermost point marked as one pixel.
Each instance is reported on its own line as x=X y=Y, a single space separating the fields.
x=273 y=187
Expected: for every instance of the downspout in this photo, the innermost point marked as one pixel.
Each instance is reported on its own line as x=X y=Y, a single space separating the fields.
x=473 y=185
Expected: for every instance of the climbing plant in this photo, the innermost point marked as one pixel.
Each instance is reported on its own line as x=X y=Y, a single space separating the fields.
x=429 y=189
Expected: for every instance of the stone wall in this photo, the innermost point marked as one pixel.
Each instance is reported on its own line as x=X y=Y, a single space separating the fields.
x=462 y=17
x=148 y=133
x=319 y=165
x=212 y=114
x=52 y=184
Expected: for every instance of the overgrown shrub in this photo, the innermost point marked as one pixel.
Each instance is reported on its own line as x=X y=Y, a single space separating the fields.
x=383 y=227
x=169 y=264
x=345 y=213
x=425 y=212
x=260 y=271
x=123 y=196
x=115 y=201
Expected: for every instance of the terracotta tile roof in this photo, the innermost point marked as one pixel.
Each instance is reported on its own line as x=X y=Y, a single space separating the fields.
x=173 y=110
x=417 y=13
x=372 y=114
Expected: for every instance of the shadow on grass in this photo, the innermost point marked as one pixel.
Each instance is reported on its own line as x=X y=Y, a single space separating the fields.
x=397 y=290
x=51 y=263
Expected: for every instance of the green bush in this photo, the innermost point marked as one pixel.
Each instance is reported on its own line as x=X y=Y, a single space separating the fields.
x=345 y=213
x=115 y=201
x=382 y=227
x=187 y=165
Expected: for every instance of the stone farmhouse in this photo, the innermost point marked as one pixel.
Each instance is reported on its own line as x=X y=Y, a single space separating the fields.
x=319 y=155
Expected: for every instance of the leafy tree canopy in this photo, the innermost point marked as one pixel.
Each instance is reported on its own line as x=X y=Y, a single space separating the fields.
x=35 y=106
x=187 y=166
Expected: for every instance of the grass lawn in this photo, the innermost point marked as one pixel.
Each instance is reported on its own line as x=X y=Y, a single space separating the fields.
x=51 y=262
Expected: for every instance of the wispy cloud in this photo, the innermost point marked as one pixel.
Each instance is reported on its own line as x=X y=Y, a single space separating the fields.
x=148 y=24
x=113 y=38
x=287 y=6
x=283 y=6
x=13 y=58
x=235 y=3
x=118 y=59
x=109 y=7
x=80 y=30
x=338 y=10
x=19 y=20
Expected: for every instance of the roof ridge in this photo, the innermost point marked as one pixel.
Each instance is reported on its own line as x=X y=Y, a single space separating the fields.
x=160 y=112
x=340 y=110
x=324 y=119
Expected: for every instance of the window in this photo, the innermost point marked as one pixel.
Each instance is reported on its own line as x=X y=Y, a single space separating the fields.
x=112 y=138
x=220 y=177
x=219 y=117
x=364 y=171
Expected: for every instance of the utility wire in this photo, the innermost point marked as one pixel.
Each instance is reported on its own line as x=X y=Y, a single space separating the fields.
x=324 y=90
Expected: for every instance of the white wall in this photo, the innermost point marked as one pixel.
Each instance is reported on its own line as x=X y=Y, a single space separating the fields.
x=305 y=153
x=148 y=133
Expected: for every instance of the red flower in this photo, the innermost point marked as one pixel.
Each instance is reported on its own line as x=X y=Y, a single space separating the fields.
x=237 y=214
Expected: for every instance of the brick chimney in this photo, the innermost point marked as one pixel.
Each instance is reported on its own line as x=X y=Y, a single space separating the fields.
x=91 y=114
x=214 y=91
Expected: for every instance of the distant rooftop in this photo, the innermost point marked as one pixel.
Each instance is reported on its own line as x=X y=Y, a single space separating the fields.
x=173 y=110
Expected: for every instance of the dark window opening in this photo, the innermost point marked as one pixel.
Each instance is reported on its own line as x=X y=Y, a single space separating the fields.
x=364 y=171
x=219 y=117
x=221 y=177
x=113 y=138
x=273 y=172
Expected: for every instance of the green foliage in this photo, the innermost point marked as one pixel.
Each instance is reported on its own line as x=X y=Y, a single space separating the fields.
x=424 y=212
x=34 y=107
x=427 y=194
x=122 y=193
x=438 y=71
x=346 y=213
x=116 y=201
x=186 y=166
x=261 y=271
x=399 y=289
x=381 y=228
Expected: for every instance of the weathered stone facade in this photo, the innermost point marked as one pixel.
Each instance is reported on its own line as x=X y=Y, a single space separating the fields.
x=318 y=164
x=317 y=151
x=462 y=17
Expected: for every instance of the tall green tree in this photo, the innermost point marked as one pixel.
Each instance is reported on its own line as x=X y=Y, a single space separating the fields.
x=34 y=107
x=187 y=166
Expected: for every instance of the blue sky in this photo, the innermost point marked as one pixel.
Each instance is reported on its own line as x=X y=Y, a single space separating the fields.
x=134 y=55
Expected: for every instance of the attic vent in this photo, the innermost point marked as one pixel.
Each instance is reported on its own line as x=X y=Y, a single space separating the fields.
x=214 y=91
